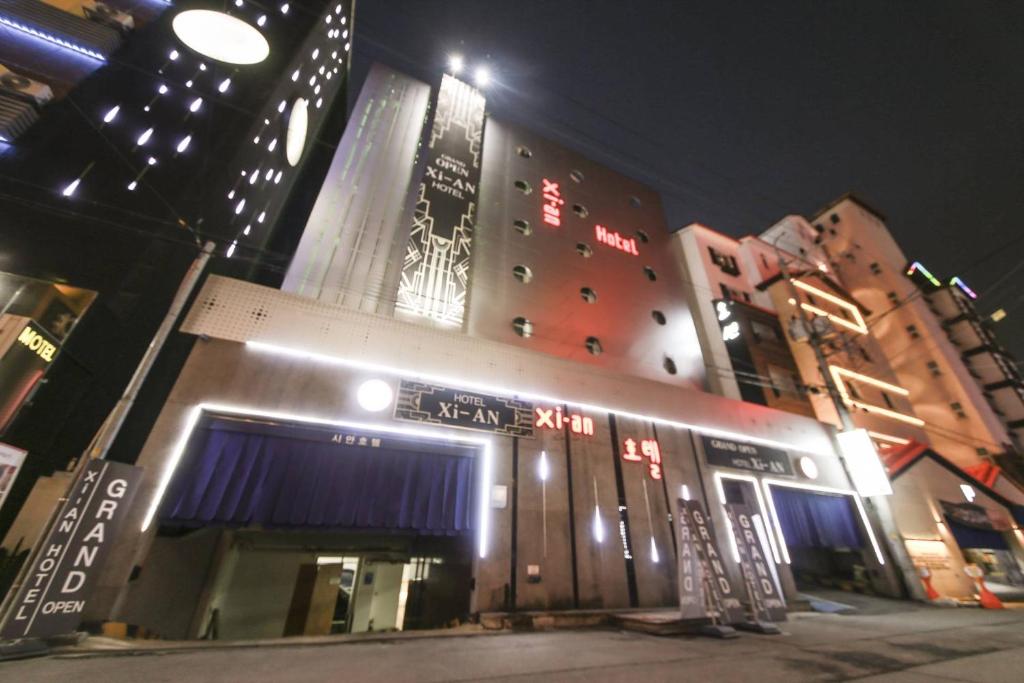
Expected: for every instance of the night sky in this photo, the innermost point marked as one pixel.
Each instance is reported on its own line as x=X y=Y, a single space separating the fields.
x=743 y=112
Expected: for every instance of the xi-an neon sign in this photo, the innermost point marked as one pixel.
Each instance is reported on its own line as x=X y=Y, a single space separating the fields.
x=553 y=202
x=554 y=418
x=646 y=449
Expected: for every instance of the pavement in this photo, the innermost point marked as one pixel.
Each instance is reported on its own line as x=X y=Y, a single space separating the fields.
x=883 y=641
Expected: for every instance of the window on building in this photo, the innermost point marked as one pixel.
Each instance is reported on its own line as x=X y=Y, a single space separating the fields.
x=588 y=295
x=853 y=390
x=912 y=331
x=523 y=186
x=764 y=261
x=580 y=210
x=522 y=227
x=888 y=401
x=522 y=273
x=981 y=450
x=670 y=366
x=875 y=268
x=894 y=298
x=864 y=354
x=593 y=345
x=524 y=152
x=782 y=380
x=727 y=264
x=644 y=237
x=933 y=368
x=635 y=202
x=576 y=176
x=958 y=410
x=763 y=331
x=584 y=250
x=834 y=218
x=649 y=272
x=522 y=327
x=659 y=317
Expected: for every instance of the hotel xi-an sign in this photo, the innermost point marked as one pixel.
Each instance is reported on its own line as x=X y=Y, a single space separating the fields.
x=433 y=404
x=746 y=456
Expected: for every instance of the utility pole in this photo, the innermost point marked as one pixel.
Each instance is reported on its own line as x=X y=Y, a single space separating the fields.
x=878 y=507
x=111 y=427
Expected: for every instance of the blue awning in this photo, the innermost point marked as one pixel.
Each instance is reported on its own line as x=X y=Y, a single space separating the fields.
x=240 y=478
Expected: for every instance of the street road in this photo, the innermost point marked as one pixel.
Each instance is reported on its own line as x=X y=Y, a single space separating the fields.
x=911 y=645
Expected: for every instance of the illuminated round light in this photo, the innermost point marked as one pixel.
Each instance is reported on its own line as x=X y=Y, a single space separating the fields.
x=298 y=125
x=808 y=467
x=482 y=77
x=374 y=395
x=221 y=37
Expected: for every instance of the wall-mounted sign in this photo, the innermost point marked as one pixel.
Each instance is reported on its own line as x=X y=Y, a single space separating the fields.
x=762 y=591
x=433 y=404
x=52 y=598
x=646 y=448
x=746 y=456
x=35 y=338
x=552 y=207
x=554 y=418
x=705 y=589
x=11 y=459
x=436 y=267
x=614 y=239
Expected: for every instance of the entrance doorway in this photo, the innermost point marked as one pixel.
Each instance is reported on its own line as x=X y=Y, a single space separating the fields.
x=281 y=529
x=823 y=537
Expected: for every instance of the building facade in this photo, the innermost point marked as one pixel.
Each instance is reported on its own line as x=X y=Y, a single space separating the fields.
x=842 y=283
x=373 y=448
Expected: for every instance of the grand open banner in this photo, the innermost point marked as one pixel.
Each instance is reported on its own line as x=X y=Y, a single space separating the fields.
x=53 y=593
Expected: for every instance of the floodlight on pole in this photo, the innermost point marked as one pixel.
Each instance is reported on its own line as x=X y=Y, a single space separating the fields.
x=456 y=64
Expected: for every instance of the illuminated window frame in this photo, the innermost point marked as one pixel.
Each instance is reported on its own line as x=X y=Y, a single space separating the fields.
x=196 y=413
x=857 y=326
x=837 y=375
x=768 y=483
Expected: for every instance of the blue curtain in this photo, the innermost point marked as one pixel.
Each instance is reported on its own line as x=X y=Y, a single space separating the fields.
x=972 y=537
x=236 y=478
x=816 y=520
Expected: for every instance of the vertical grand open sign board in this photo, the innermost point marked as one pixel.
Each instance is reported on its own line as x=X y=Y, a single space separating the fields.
x=762 y=591
x=52 y=598
x=705 y=590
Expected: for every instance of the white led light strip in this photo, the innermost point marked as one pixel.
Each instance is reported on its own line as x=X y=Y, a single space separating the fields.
x=719 y=476
x=51 y=39
x=464 y=384
x=838 y=373
x=768 y=483
x=857 y=326
x=435 y=435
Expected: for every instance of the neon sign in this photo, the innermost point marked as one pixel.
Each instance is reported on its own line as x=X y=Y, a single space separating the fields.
x=37 y=343
x=649 y=449
x=614 y=239
x=553 y=202
x=963 y=287
x=554 y=418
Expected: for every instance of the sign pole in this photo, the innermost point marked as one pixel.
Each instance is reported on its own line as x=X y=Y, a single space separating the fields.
x=108 y=431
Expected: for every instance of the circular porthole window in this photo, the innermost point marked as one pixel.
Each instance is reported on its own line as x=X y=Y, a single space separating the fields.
x=298 y=126
x=220 y=36
x=522 y=227
x=670 y=366
x=580 y=210
x=584 y=250
x=635 y=202
x=658 y=316
x=522 y=273
x=524 y=152
x=577 y=176
x=649 y=272
x=523 y=186
x=594 y=346
x=644 y=237
x=588 y=295
x=522 y=327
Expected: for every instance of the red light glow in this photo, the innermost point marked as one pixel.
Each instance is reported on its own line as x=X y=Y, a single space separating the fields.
x=614 y=239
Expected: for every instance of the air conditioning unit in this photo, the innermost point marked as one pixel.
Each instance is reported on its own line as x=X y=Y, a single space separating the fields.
x=24 y=88
x=107 y=15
